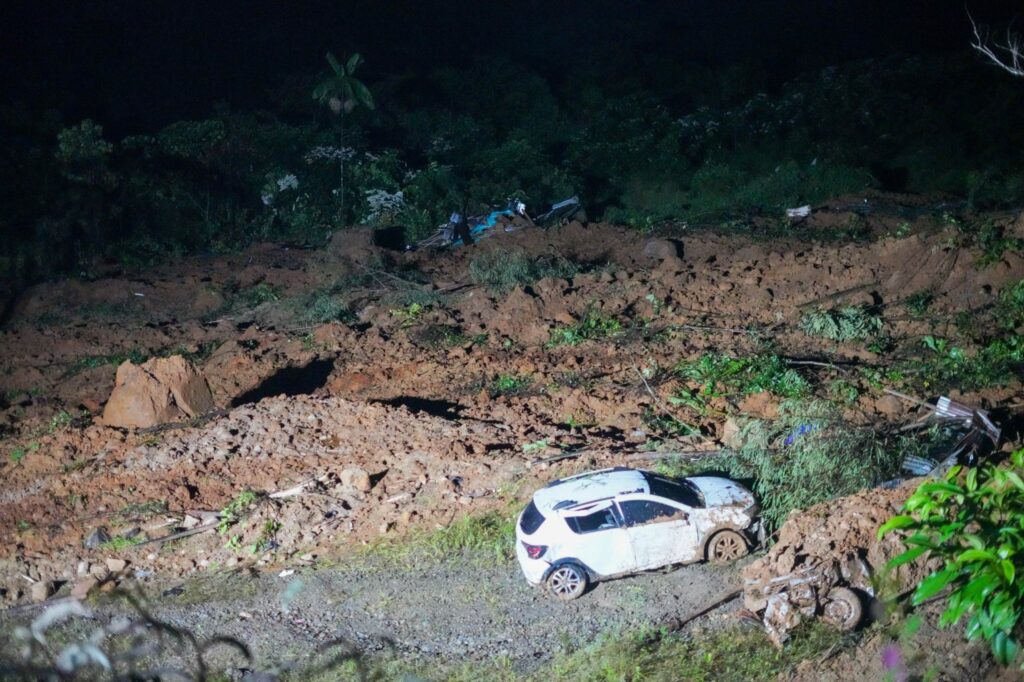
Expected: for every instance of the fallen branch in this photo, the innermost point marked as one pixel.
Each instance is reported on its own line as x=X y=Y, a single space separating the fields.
x=556 y=458
x=183 y=534
x=647 y=456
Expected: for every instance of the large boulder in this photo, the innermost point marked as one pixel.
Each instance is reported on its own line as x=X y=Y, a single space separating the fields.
x=159 y=391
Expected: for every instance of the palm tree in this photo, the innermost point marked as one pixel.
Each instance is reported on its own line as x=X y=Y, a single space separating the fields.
x=343 y=92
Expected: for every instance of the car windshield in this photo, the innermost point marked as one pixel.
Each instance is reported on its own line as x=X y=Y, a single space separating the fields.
x=681 y=490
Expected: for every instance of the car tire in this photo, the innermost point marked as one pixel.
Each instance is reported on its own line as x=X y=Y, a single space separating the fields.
x=725 y=546
x=843 y=609
x=567 y=581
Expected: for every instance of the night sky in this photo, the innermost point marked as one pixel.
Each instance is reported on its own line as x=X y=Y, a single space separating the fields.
x=139 y=64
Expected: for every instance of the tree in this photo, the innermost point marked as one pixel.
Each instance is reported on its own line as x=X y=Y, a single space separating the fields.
x=343 y=92
x=1008 y=56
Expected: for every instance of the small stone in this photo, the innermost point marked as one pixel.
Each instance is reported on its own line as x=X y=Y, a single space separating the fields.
x=99 y=571
x=116 y=565
x=83 y=569
x=83 y=587
x=385 y=527
x=190 y=522
x=41 y=591
x=96 y=538
x=357 y=479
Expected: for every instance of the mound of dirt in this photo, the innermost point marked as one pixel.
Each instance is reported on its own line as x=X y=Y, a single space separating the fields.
x=159 y=391
x=833 y=544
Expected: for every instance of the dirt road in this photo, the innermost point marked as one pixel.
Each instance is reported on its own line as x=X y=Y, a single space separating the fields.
x=432 y=613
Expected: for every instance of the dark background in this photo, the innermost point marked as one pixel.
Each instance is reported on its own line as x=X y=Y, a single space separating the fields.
x=139 y=64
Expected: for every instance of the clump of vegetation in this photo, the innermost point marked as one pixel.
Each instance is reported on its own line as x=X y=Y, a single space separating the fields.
x=952 y=366
x=919 y=302
x=135 y=355
x=970 y=521
x=19 y=454
x=502 y=271
x=258 y=294
x=806 y=456
x=848 y=323
x=235 y=510
x=509 y=385
x=594 y=326
x=121 y=543
x=409 y=315
x=325 y=307
x=721 y=375
x=666 y=425
x=994 y=243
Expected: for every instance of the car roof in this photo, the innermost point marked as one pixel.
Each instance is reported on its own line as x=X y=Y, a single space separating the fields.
x=594 y=485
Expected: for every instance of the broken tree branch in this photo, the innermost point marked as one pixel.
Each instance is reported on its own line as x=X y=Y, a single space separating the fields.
x=1009 y=57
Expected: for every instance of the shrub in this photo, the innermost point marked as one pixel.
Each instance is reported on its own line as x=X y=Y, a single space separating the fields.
x=509 y=384
x=501 y=272
x=806 y=456
x=971 y=521
x=849 y=323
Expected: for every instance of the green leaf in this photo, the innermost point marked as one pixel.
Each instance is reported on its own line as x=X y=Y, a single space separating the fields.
x=1015 y=479
x=933 y=584
x=353 y=62
x=975 y=555
x=1004 y=648
x=335 y=65
x=363 y=94
x=1009 y=570
x=896 y=522
x=906 y=557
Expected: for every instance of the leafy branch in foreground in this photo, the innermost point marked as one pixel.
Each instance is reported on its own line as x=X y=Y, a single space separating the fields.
x=973 y=520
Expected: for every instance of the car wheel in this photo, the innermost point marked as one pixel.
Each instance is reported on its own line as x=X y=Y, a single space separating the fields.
x=567 y=581
x=843 y=610
x=726 y=545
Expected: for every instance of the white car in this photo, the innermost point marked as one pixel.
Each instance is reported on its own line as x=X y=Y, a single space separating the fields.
x=615 y=522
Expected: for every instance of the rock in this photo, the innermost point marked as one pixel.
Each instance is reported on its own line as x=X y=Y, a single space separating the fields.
x=116 y=565
x=730 y=433
x=760 y=405
x=890 y=406
x=99 y=571
x=159 y=391
x=41 y=591
x=657 y=249
x=190 y=522
x=83 y=587
x=356 y=479
x=96 y=538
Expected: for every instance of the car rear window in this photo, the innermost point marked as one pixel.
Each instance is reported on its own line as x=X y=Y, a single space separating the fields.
x=531 y=519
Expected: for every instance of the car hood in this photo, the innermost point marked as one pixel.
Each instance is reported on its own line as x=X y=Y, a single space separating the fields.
x=721 y=492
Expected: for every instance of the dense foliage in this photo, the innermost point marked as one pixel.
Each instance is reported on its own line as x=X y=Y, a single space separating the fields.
x=973 y=521
x=702 y=148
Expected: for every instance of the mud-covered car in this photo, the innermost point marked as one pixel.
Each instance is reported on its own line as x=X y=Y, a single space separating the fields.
x=615 y=522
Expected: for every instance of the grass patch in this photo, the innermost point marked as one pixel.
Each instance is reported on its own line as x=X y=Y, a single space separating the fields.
x=487 y=537
x=592 y=327
x=501 y=272
x=728 y=654
x=19 y=454
x=949 y=366
x=509 y=385
x=848 y=323
x=919 y=302
x=120 y=544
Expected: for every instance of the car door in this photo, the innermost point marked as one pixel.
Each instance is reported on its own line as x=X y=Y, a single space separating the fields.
x=597 y=539
x=661 y=532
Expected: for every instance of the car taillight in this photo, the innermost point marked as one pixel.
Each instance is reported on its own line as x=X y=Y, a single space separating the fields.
x=534 y=551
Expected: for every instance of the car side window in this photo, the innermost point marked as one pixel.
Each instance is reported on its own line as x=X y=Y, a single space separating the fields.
x=640 y=512
x=599 y=520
